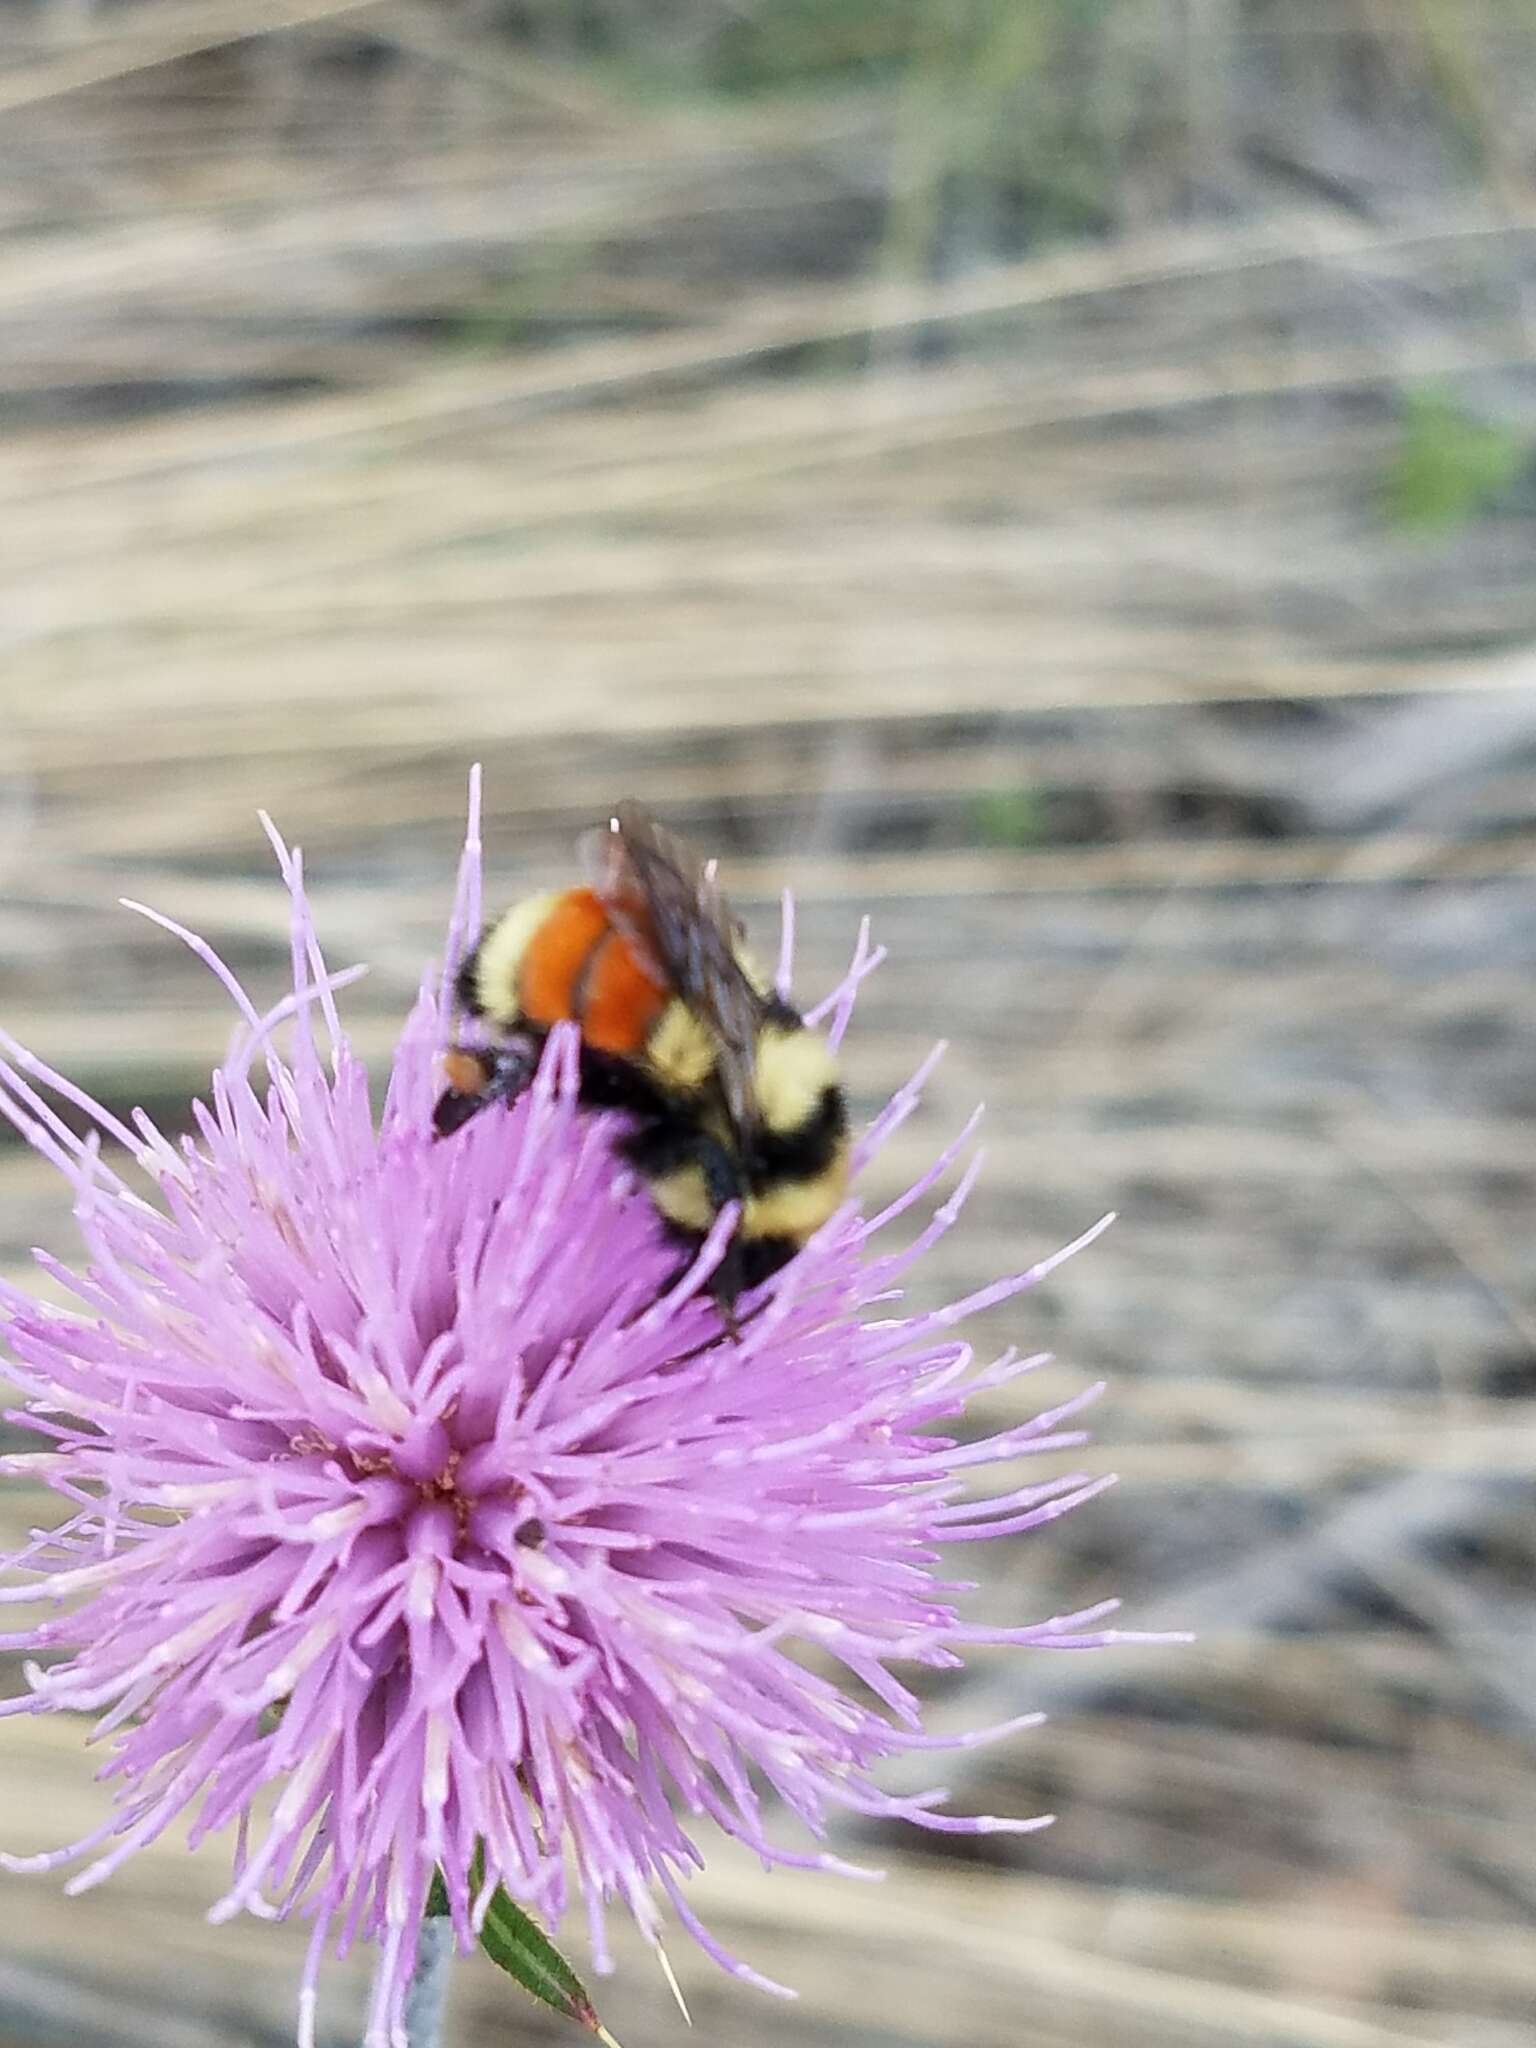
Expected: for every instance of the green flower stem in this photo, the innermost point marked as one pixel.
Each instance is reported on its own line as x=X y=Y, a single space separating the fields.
x=428 y=1992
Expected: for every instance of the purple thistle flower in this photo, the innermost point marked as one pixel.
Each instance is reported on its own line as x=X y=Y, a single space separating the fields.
x=408 y=1485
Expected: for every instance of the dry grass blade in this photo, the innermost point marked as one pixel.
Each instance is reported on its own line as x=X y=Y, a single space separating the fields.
x=160 y=32
x=961 y=475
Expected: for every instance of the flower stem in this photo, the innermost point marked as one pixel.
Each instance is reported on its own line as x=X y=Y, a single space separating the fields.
x=428 y=1991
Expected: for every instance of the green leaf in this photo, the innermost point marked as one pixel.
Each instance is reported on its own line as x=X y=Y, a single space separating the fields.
x=1449 y=466
x=516 y=1943
x=1010 y=817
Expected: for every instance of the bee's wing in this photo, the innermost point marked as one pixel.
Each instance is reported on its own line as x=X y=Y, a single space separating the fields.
x=614 y=879
x=669 y=906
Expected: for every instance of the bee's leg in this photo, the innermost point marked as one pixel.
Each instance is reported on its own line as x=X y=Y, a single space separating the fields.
x=725 y=1284
x=723 y=1183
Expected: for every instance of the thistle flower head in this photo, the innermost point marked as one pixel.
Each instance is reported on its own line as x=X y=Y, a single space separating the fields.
x=419 y=1521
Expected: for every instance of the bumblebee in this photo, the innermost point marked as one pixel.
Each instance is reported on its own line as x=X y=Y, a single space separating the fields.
x=731 y=1097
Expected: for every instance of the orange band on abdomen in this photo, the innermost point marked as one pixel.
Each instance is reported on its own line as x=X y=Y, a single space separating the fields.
x=551 y=969
x=619 y=1003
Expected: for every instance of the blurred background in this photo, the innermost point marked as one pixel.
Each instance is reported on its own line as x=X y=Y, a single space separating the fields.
x=1056 y=475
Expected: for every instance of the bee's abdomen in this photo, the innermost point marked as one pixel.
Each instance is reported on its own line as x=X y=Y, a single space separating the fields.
x=797 y=1178
x=553 y=964
x=806 y=1149
x=617 y=1002
x=576 y=967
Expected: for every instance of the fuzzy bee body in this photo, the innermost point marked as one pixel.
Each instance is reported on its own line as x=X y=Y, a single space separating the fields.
x=730 y=1096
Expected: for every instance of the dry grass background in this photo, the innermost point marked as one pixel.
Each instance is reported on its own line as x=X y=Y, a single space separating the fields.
x=1055 y=478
